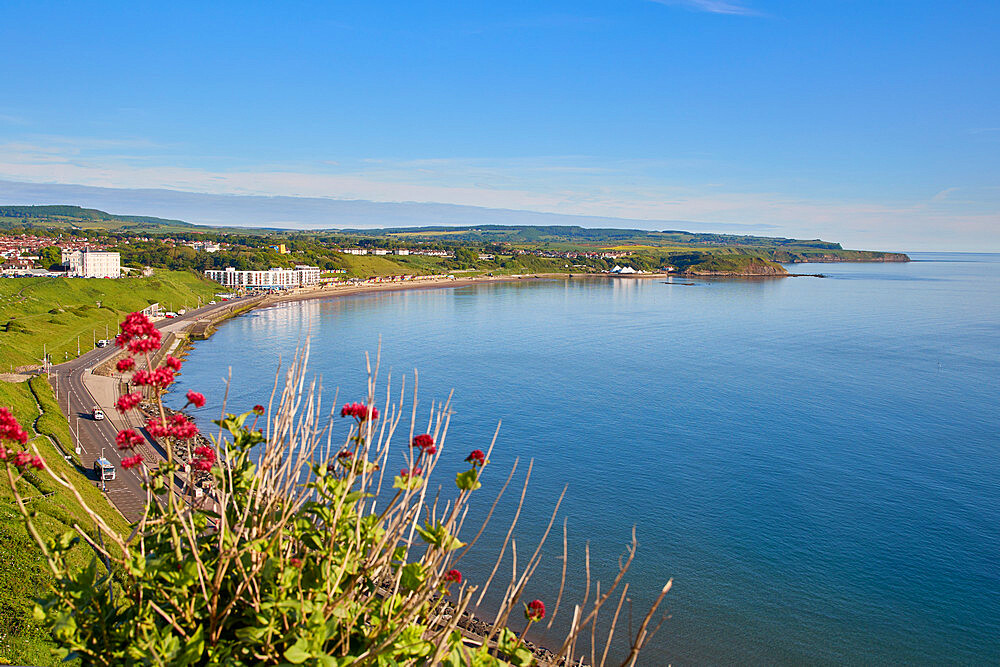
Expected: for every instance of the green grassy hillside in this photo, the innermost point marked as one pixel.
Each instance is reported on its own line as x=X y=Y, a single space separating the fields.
x=23 y=573
x=55 y=311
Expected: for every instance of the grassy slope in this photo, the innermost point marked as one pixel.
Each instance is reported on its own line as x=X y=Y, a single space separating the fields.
x=23 y=573
x=737 y=264
x=54 y=311
x=366 y=266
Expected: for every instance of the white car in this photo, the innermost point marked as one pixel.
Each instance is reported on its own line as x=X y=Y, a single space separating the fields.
x=98 y=414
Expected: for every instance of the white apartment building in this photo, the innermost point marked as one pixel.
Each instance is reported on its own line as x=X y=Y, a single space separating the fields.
x=276 y=278
x=87 y=263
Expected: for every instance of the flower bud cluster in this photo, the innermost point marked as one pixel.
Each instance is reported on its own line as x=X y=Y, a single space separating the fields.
x=132 y=461
x=359 y=411
x=204 y=458
x=425 y=443
x=160 y=378
x=11 y=431
x=534 y=611
x=128 y=438
x=406 y=473
x=138 y=334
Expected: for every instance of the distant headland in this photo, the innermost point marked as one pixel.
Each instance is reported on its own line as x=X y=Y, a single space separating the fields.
x=463 y=251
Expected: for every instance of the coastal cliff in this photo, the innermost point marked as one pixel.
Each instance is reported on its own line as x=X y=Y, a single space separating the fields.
x=803 y=257
x=730 y=265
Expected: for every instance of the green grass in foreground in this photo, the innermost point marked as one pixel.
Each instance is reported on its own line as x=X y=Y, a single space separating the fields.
x=54 y=311
x=23 y=573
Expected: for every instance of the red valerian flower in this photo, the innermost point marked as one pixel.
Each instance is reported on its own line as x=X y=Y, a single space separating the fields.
x=142 y=378
x=128 y=439
x=22 y=458
x=138 y=334
x=359 y=411
x=182 y=428
x=196 y=399
x=534 y=610
x=10 y=429
x=163 y=377
x=143 y=345
x=406 y=472
x=126 y=364
x=476 y=458
x=205 y=452
x=295 y=562
x=128 y=401
x=173 y=363
x=453 y=577
x=346 y=454
x=422 y=441
x=132 y=461
x=37 y=463
x=155 y=428
x=258 y=409
x=204 y=458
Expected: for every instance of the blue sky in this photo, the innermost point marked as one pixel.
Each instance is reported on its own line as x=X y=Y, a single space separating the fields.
x=872 y=123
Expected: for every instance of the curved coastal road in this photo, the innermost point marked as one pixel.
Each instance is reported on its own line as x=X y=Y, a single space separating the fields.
x=79 y=391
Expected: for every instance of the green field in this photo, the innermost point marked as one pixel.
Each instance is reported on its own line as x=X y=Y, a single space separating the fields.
x=23 y=573
x=57 y=312
x=366 y=266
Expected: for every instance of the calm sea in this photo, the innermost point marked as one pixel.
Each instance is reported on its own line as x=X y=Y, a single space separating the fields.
x=816 y=462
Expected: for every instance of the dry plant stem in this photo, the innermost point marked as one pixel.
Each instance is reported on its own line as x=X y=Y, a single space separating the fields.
x=457 y=612
x=640 y=638
x=599 y=602
x=593 y=629
x=562 y=580
x=614 y=623
x=510 y=531
x=533 y=562
x=86 y=508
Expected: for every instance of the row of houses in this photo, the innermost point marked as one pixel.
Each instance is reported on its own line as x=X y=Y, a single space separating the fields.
x=397 y=251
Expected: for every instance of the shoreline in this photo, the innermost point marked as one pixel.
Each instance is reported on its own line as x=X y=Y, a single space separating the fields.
x=435 y=282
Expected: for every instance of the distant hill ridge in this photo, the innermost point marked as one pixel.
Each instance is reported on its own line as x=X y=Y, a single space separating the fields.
x=80 y=213
x=564 y=238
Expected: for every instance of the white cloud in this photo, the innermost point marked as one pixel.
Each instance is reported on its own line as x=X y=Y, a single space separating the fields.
x=577 y=185
x=712 y=6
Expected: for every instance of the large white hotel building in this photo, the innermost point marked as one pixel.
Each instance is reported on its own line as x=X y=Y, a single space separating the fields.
x=87 y=263
x=276 y=278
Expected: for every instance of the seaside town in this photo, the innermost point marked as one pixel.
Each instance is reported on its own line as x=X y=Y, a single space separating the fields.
x=29 y=255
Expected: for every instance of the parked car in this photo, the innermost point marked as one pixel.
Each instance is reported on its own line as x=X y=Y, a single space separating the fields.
x=98 y=414
x=103 y=343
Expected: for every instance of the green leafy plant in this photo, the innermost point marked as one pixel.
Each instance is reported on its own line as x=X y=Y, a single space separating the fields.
x=299 y=553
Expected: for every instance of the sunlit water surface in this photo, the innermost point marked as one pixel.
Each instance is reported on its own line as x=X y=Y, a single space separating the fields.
x=814 y=461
